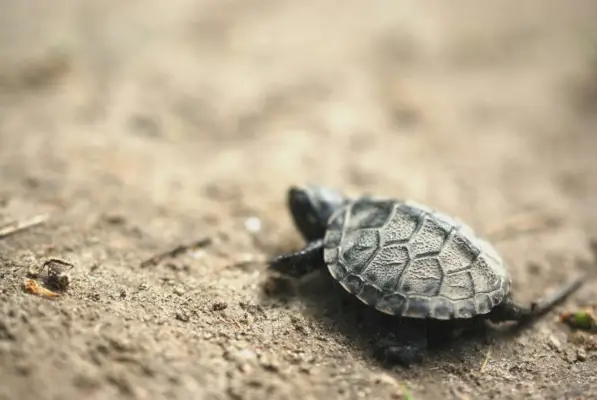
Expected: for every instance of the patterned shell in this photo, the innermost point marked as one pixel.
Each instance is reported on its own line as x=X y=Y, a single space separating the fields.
x=406 y=259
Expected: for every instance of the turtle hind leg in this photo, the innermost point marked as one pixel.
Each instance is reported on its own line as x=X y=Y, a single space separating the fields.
x=301 y=262
x=509 y=310
x=408 y=348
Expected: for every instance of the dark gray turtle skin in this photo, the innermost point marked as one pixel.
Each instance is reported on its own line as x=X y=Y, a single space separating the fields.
x=408 y=260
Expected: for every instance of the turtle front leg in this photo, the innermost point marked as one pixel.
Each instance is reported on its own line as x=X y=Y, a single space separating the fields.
x=509 y=310
x=408 y=348
x=301 y=262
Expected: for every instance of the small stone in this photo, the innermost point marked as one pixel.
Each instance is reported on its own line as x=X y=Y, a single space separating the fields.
x=305 y=369
x=269 y=363
x=33 y=272
x=571 y=356
x=182 y=316
x=295 y=358
x=143 y=286
x=253 y=224
x=219 y=306
x=249 y=319
x=581 y=354
x=554 y=344
x=123 y=294
x=179 y=291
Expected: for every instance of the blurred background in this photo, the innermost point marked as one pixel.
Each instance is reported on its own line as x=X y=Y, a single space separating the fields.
x=140 y=125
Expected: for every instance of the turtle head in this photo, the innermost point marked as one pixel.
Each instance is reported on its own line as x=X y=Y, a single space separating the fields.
x=311 y=206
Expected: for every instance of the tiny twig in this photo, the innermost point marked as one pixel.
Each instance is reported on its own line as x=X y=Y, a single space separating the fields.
x=178 y=250
x=486 y=360
x=19 y=226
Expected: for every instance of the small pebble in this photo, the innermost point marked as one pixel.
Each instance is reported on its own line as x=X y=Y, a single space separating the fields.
x=179 y=291
x=270 y=366
x=253 y=224
x=581 y=354
x=33 y=272
x=571 y=356
x=554 y=343
x=182 y=316
x=249 y=319
x=269 y=363
x=305 y=369
x=219 y=306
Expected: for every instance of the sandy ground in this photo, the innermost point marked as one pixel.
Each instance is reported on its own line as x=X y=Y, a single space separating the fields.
x=143 y=125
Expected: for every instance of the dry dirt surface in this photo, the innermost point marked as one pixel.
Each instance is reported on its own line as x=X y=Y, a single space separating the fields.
x=141 y=126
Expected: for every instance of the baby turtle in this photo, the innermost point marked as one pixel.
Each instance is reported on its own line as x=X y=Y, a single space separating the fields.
x=404 y=259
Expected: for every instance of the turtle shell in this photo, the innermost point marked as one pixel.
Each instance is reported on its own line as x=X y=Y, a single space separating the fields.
x=406 y=259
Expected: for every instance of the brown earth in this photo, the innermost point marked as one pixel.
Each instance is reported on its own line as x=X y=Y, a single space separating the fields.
x=140 y=126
